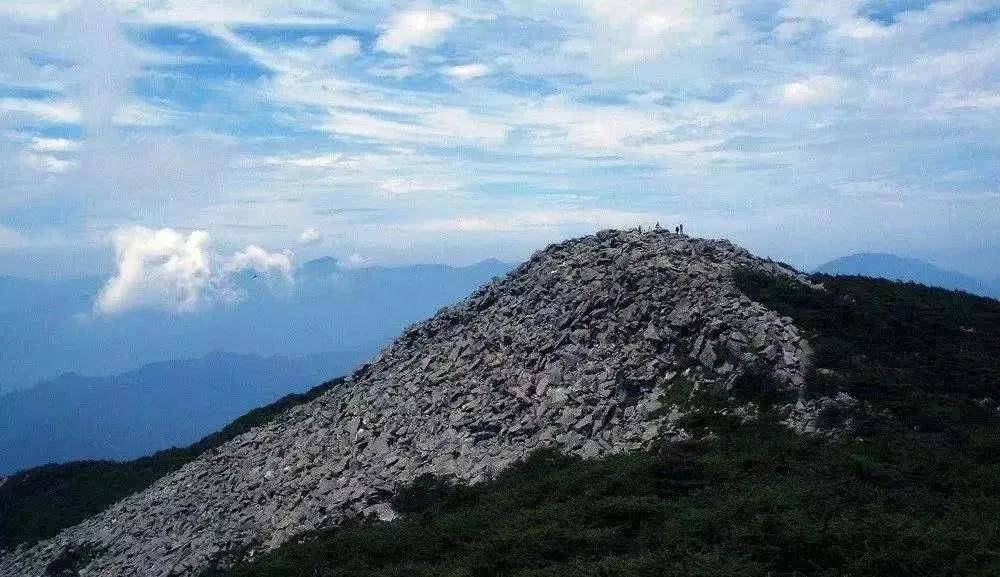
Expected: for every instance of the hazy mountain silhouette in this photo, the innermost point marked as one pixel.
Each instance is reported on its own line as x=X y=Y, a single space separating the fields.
x=157 y=406
x=892 y=267
x=48 y=330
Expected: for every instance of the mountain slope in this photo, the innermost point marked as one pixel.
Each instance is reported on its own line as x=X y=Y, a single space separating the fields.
x=568 y=351
x=911 y=490
x=892 y=267
x=158 y=406
x=37 y=503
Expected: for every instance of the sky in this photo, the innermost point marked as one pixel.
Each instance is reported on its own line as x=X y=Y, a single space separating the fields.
x=260 y=134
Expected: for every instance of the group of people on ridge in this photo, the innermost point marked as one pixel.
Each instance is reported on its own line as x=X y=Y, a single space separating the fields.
x=679 y=229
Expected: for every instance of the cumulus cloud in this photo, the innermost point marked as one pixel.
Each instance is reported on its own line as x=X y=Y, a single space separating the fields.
x=310 y=237
x=414 y=29
x=169 y=270
x=254 y=258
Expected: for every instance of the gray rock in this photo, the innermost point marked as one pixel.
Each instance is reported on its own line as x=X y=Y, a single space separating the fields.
x=567 y=351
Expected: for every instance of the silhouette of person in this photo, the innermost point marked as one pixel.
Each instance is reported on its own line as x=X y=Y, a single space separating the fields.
x=682 y=228
x=677 y=230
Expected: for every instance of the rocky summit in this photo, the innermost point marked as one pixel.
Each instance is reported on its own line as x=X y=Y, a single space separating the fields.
x=573 y=349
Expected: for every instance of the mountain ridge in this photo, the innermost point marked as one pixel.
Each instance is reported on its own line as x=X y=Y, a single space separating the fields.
x=159 y=405
x=569 y=350
x=45 y=335
x=894 y=267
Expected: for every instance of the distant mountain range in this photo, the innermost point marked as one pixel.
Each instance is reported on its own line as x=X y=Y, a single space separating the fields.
x=892 y=267
x=161 y=405
x=152 y=401
x=592 y=415
x=47 y=329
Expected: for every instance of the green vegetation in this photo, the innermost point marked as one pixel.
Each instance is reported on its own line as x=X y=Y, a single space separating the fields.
x=914 y=490
x=929 y=356
x=765 y=502
x=37 y=503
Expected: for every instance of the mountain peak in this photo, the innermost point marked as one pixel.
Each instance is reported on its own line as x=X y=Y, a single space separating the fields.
x=320 y=265
x=571 y=350
x=894 y=267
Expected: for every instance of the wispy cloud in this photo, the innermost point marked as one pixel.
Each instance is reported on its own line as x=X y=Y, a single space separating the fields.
x=547 y=219
x=467 y=71
x=64 y=112
x=472 y=119
x=811 y=90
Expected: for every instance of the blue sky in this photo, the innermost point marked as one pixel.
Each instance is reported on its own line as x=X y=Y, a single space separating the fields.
x=452 y=132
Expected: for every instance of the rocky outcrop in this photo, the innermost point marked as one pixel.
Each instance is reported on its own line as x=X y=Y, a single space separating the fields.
x=569 y=350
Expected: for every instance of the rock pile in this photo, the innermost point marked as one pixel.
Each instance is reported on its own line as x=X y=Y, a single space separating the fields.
x=569 y=350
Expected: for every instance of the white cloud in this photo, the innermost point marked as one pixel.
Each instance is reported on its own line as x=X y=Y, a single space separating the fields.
x=643 y=29
x=288 y=12
x=47 y=162
x=414 y=29
x=38 y=9
x=441 y=125
x=52 y=155
x=400 y=186
x=254 y=258
x=575 y=47
x=393 y=71
x=54 y=145
x=355 y=260
x=974 y=101
x=467 y=71
x=686 y=135
x=143 y=114
x=539 y=219
x=637 y=122
x=321 y=161
x=10 y=239
x=310 y=237
x=840 y=19
x=342 y=46
x=158 y=269
x=63 y=112
x=169 y=270
x=811 y=90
